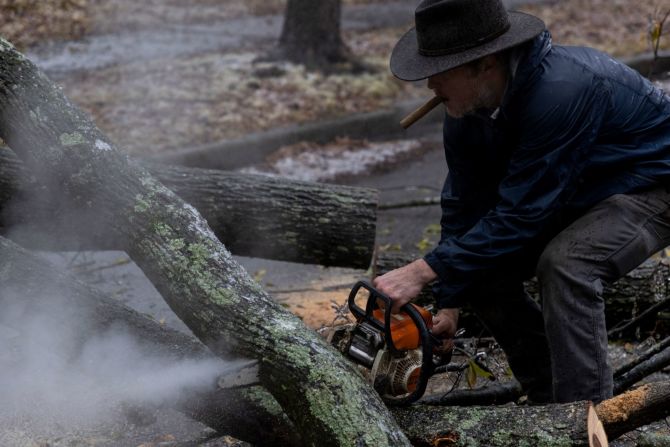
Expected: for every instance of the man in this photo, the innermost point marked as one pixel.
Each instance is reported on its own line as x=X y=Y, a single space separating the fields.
x=558 y=162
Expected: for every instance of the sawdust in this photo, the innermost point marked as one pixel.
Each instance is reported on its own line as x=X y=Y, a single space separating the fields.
x=316 y=305
x=314 y=308
x=619 y=408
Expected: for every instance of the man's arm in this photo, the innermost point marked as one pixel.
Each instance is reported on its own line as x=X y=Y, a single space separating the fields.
x=404 y=284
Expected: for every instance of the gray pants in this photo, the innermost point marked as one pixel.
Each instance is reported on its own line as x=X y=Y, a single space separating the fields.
x=559 y=351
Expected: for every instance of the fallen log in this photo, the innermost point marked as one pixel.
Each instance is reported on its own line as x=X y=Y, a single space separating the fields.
x=653 y=440
x=646 y=355
x=643 y=287
x=502 y=426
x=322 y=394
x=635 y=408
x=654 y=363
x=253 y=215
x=542 y=425
x=250 y=414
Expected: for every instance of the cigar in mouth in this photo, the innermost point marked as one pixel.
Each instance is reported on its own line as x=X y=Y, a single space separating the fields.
x=420 y=112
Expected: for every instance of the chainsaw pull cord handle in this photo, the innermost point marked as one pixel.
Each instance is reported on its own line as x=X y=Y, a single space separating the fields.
x=427 y=364
x=426 y=337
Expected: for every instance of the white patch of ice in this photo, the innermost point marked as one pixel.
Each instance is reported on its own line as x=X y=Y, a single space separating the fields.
x=324 y=163
x=102 y=146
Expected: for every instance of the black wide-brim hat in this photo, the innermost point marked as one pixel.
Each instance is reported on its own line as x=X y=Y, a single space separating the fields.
x=450 y=33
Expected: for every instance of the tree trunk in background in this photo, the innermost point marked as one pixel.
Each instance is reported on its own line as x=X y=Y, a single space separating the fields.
x=311 y=33
x=250 y=414
x=319 y=390
x=252 y=215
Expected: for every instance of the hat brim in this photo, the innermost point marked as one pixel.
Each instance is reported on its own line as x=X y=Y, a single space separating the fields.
x=407 y=64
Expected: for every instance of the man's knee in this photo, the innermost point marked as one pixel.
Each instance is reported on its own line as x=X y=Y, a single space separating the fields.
x=555 y=261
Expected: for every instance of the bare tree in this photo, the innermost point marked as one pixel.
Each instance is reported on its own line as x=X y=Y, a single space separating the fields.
x=311 y=35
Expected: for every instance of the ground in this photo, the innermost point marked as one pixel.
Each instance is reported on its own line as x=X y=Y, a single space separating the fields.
x=157 y=103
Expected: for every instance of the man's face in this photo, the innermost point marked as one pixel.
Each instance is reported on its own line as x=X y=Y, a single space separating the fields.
x=463 y=89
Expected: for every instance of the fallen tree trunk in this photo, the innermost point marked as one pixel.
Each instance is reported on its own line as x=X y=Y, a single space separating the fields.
x=252 y=215
x=502 y=426
x=542 y=425
x=643 y=287
x=61 y=301
x=324 y=396
x=635 y=408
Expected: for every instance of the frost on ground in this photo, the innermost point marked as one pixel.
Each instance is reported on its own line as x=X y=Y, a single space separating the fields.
x=344 y=157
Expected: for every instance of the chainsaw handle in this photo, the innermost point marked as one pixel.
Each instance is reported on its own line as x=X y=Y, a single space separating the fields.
x=369 y=307
x=427 y=340
x=388 y=303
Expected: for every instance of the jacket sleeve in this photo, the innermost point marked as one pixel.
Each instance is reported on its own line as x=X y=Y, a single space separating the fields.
x=454 y=221
x=561 y=120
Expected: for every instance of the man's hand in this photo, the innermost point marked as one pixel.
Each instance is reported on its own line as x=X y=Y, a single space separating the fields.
x=445 y=323
x=404 y=284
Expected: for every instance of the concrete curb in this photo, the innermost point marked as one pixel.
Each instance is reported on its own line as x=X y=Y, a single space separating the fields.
x=378 y=125
x=642 y=63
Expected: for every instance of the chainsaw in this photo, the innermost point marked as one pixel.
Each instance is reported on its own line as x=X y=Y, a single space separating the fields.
x=398 y=352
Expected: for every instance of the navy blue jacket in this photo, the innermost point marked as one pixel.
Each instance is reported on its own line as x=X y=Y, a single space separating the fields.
x=575 y=127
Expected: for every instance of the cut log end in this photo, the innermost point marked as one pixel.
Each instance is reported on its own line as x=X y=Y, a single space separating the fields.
x=595 y=430
x=619 y=408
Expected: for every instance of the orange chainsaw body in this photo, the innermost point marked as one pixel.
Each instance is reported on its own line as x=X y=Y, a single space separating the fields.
x=404 y=332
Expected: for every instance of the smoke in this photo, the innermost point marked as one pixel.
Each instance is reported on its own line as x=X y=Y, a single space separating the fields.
x=54 y=379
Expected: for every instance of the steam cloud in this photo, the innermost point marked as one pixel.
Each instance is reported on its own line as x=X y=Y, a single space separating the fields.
x=52 y=380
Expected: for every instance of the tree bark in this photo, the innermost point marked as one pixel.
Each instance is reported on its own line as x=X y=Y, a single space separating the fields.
x=539 y=426
x=635 y=408
x=653 y=440
x=252 y=215
x=250 y=414
x=311 y=33
x=655 y=363
x=641 y=288
x=643 y=357
x=542 y=425
x=324 y=396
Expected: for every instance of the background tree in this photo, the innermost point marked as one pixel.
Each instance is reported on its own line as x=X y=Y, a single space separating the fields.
x=311 y=35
